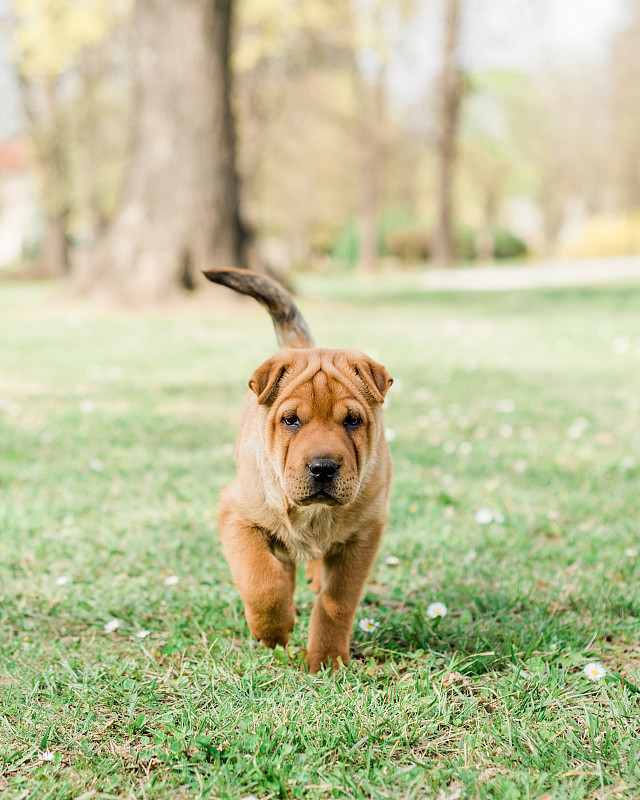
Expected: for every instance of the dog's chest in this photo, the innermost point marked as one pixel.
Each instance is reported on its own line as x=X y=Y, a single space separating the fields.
x=310 y=532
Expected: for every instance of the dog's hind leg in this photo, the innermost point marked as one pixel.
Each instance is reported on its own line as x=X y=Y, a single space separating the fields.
x=314 y=575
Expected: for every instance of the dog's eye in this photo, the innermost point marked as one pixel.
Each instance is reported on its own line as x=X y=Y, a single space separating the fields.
x=292 y=421
x=351 y=421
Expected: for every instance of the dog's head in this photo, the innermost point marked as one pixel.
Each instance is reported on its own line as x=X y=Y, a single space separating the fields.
x=321 y=420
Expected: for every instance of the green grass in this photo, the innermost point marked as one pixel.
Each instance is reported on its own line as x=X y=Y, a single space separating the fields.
x=116 y=435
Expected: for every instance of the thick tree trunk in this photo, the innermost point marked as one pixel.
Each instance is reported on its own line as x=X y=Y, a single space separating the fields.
x=180 y=210
x=53 y=259
x=449 y=100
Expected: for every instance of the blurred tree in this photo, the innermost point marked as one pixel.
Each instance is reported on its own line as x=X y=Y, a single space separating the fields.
x=52 y=37
x=450 y=93
x=179 y=212
x=314 y=119
x=567 y=149
x=370 y=22
x=295 y=110
x=625 y=108
x=491 y=162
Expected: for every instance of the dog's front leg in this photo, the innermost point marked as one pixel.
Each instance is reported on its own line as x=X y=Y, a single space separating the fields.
x=266 y=583
x=344 y=573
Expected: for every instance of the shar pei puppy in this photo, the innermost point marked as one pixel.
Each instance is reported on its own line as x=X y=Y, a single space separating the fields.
x=313 y=472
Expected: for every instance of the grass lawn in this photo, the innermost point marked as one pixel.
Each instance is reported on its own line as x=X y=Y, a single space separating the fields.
x=116 y=435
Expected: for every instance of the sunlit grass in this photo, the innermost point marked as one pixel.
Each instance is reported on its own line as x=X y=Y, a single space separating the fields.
x=516 y=443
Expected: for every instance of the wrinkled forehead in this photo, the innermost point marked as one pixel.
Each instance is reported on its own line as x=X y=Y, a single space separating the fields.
x=322 y=383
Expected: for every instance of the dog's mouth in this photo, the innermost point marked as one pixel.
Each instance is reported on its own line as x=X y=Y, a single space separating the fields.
x=321 y=497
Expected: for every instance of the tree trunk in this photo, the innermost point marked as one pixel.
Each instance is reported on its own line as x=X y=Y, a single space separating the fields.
x=53 y=258
x=49 y=132
x=371 y=99
x=449 y=100
x=180 y=209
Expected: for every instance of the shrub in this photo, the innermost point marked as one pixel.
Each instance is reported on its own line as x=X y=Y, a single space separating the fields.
x=506 y=245
x=607 y=236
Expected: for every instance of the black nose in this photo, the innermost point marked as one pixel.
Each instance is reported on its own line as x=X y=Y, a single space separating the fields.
x=323 y=470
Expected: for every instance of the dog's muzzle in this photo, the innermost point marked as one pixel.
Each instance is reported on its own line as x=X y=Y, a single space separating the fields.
x=322 y=482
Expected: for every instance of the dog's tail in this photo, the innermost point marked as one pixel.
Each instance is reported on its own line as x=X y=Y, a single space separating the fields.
x=291 y=329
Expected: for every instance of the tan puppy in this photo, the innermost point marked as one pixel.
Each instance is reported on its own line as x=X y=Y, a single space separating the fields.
x=312 y=483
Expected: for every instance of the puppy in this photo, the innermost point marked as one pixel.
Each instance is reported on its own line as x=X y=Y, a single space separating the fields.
x=312 y=482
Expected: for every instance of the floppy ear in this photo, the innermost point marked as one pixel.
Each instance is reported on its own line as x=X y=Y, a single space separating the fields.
x=266 y=379
x=374 y=375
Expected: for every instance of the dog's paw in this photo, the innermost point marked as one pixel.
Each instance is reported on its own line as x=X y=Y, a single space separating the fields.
x=272 y=629
x=316 y=660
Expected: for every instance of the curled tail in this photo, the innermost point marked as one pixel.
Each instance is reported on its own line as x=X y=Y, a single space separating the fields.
x=291 y=329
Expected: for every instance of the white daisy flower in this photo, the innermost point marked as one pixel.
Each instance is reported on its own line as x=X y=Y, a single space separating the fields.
x=392 y=561
x=585 y=527
x=466 y=448
x=390 y=435
x=171 y=580
x=506 y=406
x=112 y=626
x=506 y=431
x=620 y=345
x=483 y=516
x=449 y=447
x=594 y=671
x=96 y=465
x=46 y=755
x=367 y=625
x=142 y=634
x=62 y=580
x=632 y=552
x=436 y=610
x=469 y=558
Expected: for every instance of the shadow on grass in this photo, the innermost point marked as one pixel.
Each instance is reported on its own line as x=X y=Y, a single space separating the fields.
x=491 y=632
